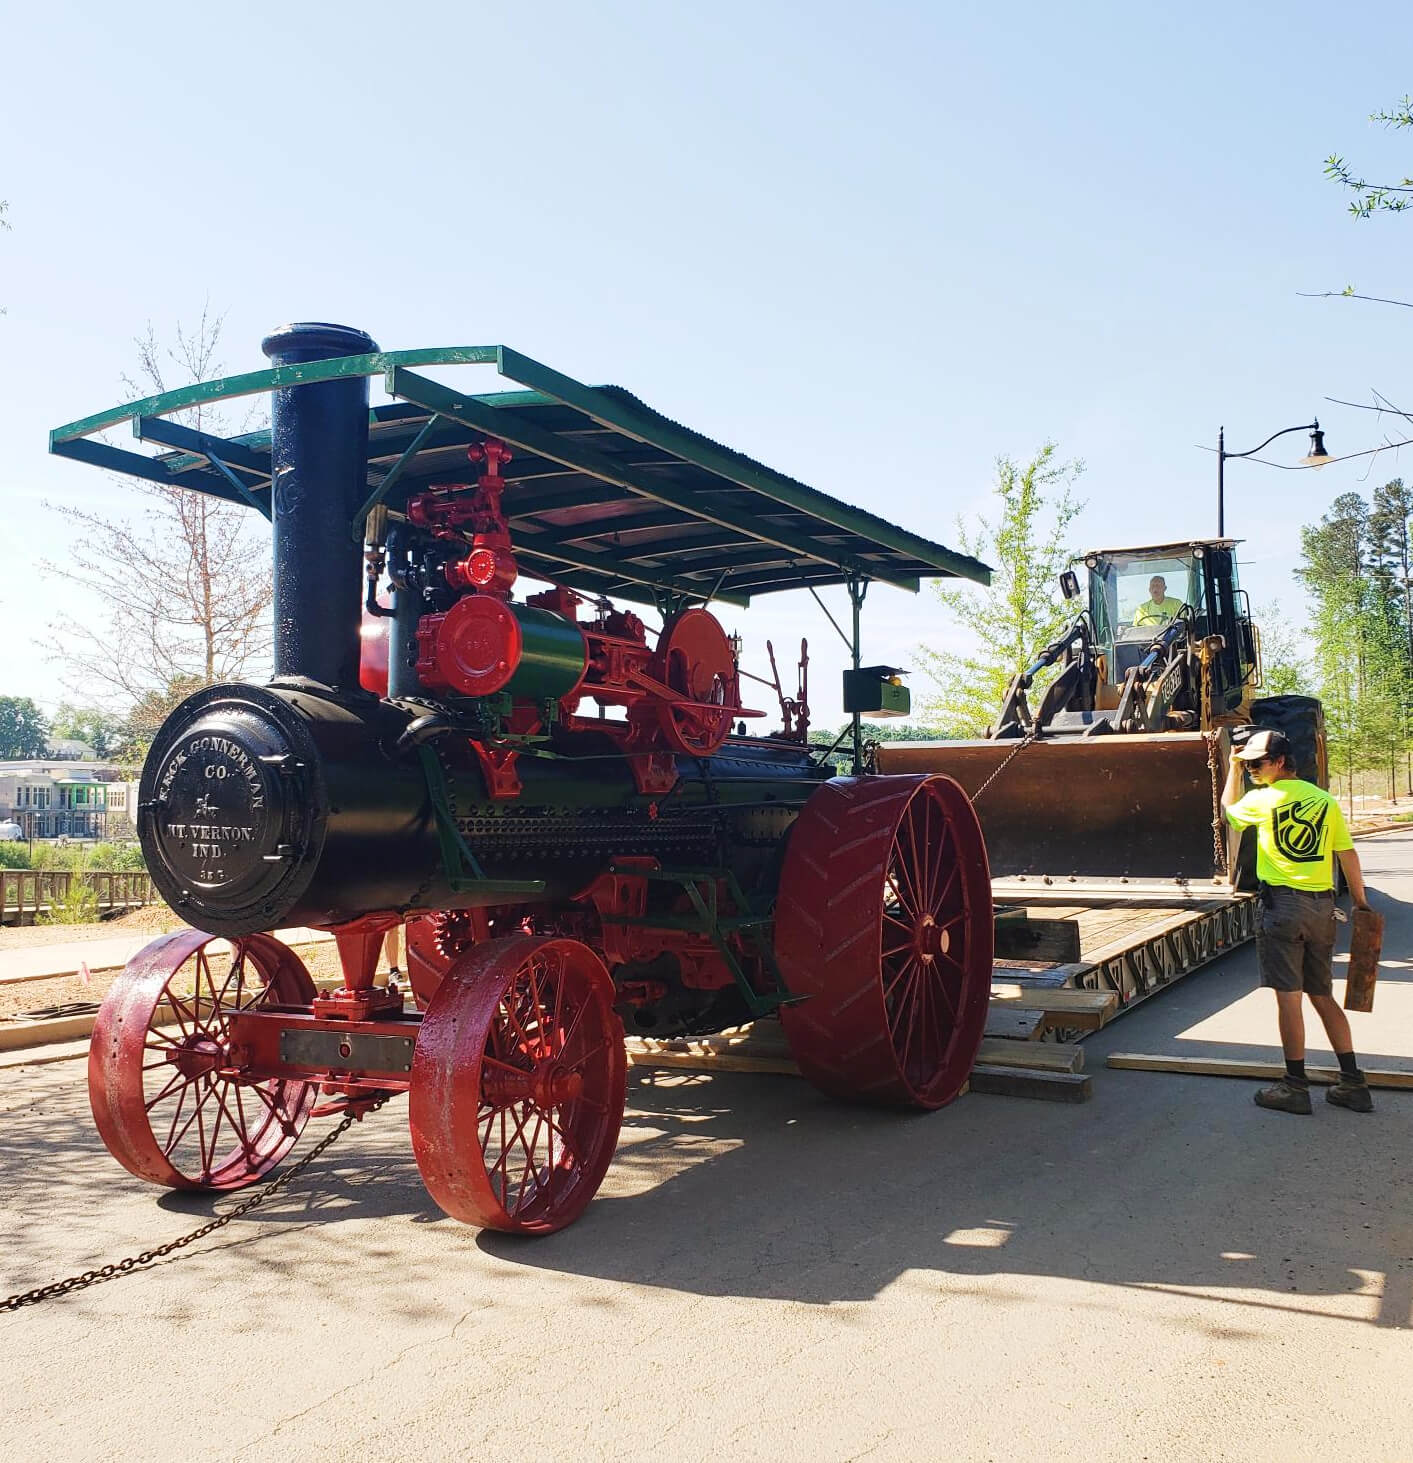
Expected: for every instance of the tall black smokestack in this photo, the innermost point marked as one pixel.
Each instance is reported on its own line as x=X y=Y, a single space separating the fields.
x=319 y=453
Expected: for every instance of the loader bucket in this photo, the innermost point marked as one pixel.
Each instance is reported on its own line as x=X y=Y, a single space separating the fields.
x=1101 y=810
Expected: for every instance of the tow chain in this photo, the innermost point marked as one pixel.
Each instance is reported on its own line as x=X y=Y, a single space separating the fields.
x=1219 y=826
x=1024 y=742
x=137 y=1262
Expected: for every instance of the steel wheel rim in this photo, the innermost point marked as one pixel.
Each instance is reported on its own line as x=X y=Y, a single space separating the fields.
x=518 y=1085
x=927 y=970
x=884 y=927
x=165 y=1099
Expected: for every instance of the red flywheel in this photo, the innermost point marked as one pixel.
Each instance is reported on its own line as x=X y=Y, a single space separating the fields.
x=884 y=924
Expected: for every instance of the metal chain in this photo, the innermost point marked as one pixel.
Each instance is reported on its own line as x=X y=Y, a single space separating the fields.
x=1020 y=745
x=136 y=1262
x=1219 y=826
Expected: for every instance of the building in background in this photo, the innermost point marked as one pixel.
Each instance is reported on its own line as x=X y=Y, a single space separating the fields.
x=58 y=797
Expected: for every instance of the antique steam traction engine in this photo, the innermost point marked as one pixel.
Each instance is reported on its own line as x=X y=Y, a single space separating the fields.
x=562 y=805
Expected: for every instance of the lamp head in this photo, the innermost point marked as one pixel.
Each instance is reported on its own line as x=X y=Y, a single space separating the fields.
x=1317 y=457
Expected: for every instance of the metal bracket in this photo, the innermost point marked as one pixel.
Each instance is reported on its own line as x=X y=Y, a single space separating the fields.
x=394 y=473
x=710 y=922
x=347 y=1051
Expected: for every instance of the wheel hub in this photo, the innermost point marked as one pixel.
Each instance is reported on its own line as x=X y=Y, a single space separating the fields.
x=197 y=1055
x=547 y=1084
x=930 y=940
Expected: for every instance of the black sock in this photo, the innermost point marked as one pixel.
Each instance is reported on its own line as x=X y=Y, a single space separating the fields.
x=1295 y=1070
x=1348 y=1067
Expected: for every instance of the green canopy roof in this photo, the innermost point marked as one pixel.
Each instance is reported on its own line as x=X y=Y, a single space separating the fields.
x=603 y=493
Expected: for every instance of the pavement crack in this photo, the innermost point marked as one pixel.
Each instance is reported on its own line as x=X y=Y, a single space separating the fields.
x=361 y=1382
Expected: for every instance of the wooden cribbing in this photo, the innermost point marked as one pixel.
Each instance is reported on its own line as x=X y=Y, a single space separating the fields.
x=1052 y=940
x=1083 y=1010
x=1365 y=946
x=1230 y=1067
x=1025 y=1082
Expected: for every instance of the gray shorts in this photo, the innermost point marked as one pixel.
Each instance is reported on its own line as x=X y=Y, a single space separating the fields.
x=1295 y=939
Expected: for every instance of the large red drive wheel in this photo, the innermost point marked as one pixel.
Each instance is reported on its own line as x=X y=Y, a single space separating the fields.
x=163 y=1095
x=518 y=1084
x=884 y=923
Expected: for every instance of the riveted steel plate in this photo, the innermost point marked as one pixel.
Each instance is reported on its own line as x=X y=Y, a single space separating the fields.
x=347 y=1051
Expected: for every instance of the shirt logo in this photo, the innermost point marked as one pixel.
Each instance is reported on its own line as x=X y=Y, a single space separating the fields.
x=1299 y=833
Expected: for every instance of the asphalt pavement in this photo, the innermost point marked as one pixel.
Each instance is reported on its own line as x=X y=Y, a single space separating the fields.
x=1164 y=1272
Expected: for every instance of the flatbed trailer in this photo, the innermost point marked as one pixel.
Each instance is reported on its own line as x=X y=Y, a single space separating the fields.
x=1133 y=943
x=1066 y=965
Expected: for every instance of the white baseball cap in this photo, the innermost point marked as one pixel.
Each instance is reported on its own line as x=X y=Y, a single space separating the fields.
x=1263 y=744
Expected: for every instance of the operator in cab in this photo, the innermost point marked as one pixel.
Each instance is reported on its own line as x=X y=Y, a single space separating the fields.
x=1160 y=609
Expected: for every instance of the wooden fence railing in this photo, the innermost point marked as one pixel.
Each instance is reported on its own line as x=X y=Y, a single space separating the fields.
x=25 y=893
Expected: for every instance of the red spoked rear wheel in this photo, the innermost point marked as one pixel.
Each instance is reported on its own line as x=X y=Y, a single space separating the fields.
x=884 y=922
x=168 y=1103
x=518 y=1084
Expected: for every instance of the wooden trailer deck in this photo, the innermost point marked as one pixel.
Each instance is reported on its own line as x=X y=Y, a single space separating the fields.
x=1061 y=971
x=1127 y=944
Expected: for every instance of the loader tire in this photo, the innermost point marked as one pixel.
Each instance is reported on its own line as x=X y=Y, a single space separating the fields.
x=1302 y=719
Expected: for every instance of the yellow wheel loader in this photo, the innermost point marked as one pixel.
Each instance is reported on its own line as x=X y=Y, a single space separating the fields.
x=1113 y=779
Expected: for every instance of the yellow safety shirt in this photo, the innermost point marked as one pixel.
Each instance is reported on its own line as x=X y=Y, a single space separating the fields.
x=1158 y=613
x=1299 y=829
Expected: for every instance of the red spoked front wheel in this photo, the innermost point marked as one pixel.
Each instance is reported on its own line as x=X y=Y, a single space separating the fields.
x=168 y=1103
x=884 y=923
x=518 y=1085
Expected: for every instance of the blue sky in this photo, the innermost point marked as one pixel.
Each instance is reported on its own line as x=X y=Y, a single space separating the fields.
x=873 y=246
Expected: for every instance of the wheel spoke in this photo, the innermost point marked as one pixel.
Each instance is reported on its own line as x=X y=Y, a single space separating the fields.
x=528 y=1171
x=176 y=1117
x=904 y=1000
x=588 y=1055
x=903 y=879
x=209 y=1150
x=922 y=858
x=952 y=878
x=901 y=972
x=194 y=1118
x=178 y=1077
x=940 y=986
x=180 y=1010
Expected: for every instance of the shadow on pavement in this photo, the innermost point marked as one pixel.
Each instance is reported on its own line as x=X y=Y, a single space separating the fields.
x=758 y=1187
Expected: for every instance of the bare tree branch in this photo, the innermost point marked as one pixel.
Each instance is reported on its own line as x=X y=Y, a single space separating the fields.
x=185 y=586
x=1349 y=294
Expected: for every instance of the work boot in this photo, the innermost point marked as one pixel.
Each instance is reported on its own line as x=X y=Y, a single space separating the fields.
x=1351 y=1093
x=1286 y=1096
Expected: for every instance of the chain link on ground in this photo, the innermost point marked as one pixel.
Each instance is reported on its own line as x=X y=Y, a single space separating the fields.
x=137 y=1262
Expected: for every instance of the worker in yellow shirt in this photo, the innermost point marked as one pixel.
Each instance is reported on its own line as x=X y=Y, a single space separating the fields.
x=1160 y=609
x=1299 y=832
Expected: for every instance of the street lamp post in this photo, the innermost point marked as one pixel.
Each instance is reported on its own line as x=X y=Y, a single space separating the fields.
x=1316 y=457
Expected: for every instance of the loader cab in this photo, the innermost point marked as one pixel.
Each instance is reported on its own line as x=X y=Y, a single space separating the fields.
x=1201 y=577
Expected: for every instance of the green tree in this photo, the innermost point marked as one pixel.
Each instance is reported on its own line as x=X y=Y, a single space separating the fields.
x=1371 y=198
x=1026 y=543
x=1284 y=665
x=23 y=728
x=149 y=712
x=91 y=725
x=1359 y=628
